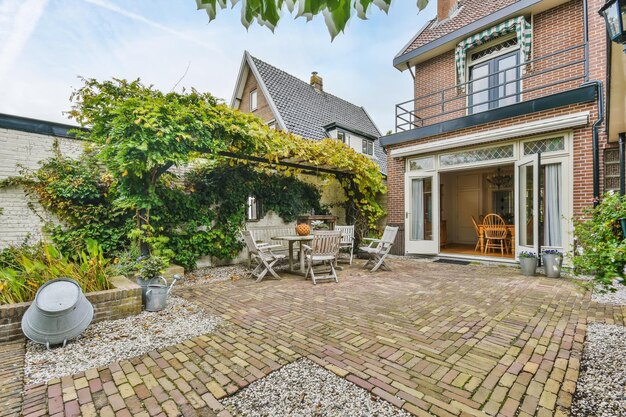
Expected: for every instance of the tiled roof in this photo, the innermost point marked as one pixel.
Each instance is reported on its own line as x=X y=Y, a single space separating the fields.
x=305 y=110
x=468 y=12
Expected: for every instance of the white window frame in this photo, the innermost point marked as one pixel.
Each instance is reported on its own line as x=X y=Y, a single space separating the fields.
x=254 y=97
x=368 y=145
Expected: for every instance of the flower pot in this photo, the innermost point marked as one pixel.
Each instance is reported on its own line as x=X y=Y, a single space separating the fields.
x=144 y=283
x=303 y=229
x=552 y=264
x=528 y=266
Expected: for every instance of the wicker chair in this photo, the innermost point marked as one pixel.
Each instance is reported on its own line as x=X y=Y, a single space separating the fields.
x=496 y=233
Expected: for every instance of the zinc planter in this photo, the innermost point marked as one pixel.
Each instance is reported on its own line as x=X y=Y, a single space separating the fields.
x=552 y=263
x=528 y=266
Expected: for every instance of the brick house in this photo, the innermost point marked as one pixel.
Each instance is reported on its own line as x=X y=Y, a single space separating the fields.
x=507 y=117
x=286 y=102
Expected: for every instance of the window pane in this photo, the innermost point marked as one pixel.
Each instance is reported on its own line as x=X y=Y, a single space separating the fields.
x=253 y=101
x=507 y=80
x=476 y=155
x=479 y=89
x=417 y=164
x=544 y=145
x=421 y=209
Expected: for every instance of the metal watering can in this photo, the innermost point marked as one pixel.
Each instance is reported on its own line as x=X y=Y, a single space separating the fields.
x=156 y=295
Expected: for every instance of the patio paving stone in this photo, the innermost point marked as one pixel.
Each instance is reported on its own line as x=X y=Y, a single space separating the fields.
x=431 y=338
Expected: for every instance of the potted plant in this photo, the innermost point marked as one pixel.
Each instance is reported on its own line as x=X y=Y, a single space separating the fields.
x=528 y=263
x=552 y=262
x=151 y=268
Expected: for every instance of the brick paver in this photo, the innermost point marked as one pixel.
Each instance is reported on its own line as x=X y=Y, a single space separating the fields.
x=438 y=339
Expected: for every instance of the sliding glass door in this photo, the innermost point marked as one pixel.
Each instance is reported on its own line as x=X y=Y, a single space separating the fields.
x=422 y=214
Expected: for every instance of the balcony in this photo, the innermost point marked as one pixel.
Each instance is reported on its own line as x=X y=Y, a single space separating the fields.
x=537 y=82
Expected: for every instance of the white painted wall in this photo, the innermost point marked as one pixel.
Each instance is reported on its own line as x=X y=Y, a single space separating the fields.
x=23 y=150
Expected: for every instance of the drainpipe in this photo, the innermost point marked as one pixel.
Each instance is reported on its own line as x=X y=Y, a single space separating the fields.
x=622 y=179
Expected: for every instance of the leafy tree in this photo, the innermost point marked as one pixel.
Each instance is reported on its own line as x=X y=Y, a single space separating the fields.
x=267 y=13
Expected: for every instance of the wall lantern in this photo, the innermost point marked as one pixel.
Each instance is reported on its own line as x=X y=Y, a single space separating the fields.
x=614 y=12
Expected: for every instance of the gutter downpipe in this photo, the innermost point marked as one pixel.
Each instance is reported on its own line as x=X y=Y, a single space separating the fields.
x=600 y=119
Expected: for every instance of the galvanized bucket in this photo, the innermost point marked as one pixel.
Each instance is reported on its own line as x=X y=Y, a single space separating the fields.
x=59 y=313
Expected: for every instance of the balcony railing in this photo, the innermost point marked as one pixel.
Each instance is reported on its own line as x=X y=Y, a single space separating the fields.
x=549 y=74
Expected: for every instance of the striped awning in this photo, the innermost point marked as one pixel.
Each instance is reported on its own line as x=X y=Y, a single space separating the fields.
x=516 y=24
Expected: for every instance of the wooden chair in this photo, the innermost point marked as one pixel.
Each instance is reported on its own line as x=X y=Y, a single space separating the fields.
x=496 y=235
x=263 y=256
x=477 y=230
x=378 y=249
x=324 y=248
x=347 y=239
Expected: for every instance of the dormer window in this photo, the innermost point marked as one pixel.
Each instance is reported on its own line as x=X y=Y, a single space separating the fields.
x=368 y=147
x=253 y=100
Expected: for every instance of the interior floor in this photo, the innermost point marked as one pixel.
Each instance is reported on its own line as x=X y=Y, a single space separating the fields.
x=464 y=249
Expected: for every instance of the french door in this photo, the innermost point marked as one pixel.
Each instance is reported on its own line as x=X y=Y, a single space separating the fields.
x=527 y=187
x=422 y=213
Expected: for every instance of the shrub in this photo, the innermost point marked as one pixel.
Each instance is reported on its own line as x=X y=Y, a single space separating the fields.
x=151 y=267
x=25 y=268
x=600 y=248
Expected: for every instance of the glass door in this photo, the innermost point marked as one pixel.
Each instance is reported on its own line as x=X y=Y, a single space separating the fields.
x=528 y=205
x=422 y=214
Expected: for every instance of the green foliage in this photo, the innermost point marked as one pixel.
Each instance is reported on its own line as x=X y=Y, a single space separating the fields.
x=267 y=13
x=600 y=246
x=24 y=269
x=151 y=267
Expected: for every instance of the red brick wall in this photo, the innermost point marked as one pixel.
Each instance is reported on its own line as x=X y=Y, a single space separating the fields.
x=553 y=30
x=263 y=110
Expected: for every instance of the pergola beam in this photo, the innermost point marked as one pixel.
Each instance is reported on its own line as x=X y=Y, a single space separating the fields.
x=305 y=168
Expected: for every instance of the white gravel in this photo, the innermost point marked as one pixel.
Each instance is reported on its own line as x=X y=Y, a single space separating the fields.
x=614 y=298
x=113 y=340
x=303 y=388
x=215 y=274
x=601 y=386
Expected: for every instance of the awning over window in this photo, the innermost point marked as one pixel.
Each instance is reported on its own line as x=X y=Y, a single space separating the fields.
x=516 y=24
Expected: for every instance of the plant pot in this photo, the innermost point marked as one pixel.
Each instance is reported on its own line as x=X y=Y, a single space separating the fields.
x=528 y=266
x=552 y=264
x=144 y=283
x=303 y=229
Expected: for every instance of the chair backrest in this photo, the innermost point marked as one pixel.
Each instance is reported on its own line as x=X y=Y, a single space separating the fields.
x=326 y=242
x=476 y=229
x=388 y=238
x=250 y=243
x=494 y=226
x=347 y=233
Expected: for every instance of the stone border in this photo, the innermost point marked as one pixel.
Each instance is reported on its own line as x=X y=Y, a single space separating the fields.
x=122 y=301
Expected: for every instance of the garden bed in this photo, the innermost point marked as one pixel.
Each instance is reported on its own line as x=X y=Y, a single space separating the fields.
x=114 y=340
x=122 y=301
x=304 y=388
x=601 y=386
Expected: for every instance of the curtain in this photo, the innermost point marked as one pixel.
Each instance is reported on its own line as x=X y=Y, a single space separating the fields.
x=417 y=209
x=553 y=206
x=516 y=24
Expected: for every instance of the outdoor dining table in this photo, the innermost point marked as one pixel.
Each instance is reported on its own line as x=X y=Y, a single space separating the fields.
x=291 y=240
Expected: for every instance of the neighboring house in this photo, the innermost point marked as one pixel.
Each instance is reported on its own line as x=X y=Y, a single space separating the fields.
x=285 y=102
x=504 y=119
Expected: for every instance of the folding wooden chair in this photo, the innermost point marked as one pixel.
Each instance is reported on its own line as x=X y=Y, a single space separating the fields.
x=325 y=249
x=347 y=239
x=263 y=256
x=378 y=249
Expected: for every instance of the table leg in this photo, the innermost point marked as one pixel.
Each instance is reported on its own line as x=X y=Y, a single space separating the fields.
x=291 y=255
x=302 y=267
x=481 y=239
x=513 y=241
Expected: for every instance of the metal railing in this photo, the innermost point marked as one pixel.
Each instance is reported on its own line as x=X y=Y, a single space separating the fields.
x=555 y=72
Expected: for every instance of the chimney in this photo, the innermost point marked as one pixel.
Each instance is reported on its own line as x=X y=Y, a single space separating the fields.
x=317 y=82
x=445 y=8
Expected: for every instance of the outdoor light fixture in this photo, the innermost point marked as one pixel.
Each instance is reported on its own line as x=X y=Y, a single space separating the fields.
x=614 y=12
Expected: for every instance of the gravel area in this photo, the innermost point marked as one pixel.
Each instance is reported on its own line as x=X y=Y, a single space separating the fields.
x=215 y=274
x=615 y=298
x=113 y=340
x=303 y=388
x=601 y=387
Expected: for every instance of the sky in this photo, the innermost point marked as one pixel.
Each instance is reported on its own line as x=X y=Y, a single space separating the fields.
x=46 y=45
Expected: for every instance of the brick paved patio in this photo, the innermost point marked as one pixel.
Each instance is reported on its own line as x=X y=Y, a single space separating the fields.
x=434 y=339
